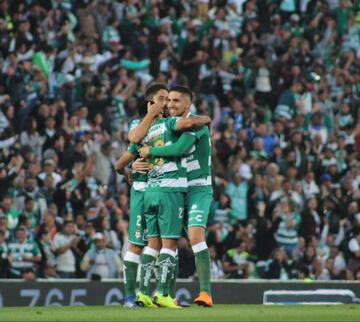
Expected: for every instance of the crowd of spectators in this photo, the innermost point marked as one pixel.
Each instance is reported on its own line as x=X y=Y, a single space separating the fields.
x=281 y=81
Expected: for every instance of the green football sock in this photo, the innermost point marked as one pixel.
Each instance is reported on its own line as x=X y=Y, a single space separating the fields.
x=172 y=288
x=147 y=267
x=167 y=266
x=202 y=263
x=130 y=272
x=156 y=272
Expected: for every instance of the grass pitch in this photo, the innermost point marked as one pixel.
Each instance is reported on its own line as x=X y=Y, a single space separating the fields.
x=194 y=313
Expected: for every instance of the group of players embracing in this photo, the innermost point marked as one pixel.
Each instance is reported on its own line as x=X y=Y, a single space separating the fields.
x=171 y=193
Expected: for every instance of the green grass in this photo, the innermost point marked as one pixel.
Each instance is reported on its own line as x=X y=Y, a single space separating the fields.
x=217 y=313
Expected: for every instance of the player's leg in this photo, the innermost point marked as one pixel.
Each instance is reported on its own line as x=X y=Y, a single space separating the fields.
x=170 y=225
x=147 y=263
x=172 y=287
x=202 y=264
x=136 y=244
x=199 y=200
x=167 y=264
x=131 y=263
x=151 y=251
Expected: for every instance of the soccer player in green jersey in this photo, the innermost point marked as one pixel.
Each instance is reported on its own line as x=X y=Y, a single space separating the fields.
x=164 y=203
x=138 y=181
x=196 y=144
x=138 y=177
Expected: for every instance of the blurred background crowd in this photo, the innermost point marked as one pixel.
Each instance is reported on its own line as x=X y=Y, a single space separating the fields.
x=281 y=81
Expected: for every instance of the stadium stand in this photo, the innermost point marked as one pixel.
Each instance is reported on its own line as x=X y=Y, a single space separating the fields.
x=281 y=81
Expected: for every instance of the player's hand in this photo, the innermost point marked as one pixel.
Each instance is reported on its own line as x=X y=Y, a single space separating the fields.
x=144 y=151
x=141 y=166
x=155 y=108
x=207 y=119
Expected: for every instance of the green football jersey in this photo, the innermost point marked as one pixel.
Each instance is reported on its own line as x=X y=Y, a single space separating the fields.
x=139 y=179
x=166 y=174
x=17 y=251
x=198 y=161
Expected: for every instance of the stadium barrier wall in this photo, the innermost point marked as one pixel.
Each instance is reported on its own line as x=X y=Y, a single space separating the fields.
x=110 y=292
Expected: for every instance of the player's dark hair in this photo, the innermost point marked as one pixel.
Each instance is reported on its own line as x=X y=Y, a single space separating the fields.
x=183 y=90
x=152 y=89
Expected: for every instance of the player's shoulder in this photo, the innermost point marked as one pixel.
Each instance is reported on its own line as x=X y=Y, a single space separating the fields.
x=171 y=120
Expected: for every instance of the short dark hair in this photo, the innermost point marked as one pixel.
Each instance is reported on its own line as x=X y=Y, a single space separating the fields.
x=183 y=90
x=152 y=89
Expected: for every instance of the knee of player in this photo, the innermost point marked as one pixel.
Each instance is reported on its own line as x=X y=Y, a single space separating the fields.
x=154 y=243
x=196 y=238
x=135 y=249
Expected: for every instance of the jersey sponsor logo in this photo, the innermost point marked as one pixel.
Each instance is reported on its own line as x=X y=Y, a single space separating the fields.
x=198 y=218
x=199 y=212
x=155 y=132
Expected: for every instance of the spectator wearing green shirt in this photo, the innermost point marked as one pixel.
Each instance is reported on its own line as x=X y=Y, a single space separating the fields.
x=237 y=190
x=287 y=232
x=286 y=106
x=23 y=253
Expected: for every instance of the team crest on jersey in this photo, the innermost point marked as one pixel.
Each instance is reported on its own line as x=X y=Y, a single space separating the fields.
x=159 y=161
x=137 y=234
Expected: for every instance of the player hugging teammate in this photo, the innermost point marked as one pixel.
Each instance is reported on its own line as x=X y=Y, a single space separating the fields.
x=171 y=188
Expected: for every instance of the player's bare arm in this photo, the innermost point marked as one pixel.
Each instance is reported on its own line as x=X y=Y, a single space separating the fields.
x=188 y=123
x=124 y=160
x=181 y=147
